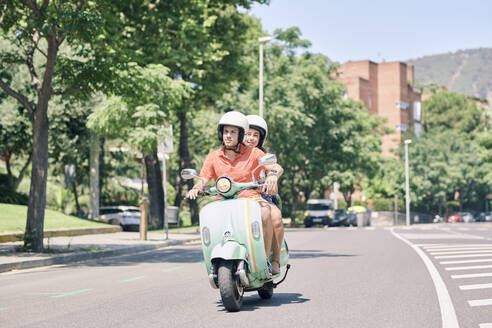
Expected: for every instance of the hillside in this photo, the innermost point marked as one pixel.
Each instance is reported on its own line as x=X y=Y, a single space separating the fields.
x=465 y=71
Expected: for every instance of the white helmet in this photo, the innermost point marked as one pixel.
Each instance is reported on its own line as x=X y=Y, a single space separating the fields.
x=258 y=123
x=236 y=119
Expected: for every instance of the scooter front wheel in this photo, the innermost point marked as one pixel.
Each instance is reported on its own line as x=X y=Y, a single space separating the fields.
x=230 y=287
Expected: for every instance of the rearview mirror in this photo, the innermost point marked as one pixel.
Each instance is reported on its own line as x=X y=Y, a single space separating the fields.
x=188 y=174
x=269 y=159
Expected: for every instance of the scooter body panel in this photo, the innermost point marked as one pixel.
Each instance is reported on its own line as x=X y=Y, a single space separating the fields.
x=235 y=233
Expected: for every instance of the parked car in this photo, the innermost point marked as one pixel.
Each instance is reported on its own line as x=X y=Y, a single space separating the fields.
x=453 y=217
x=361 y=214
x=128 y=217
x=467 y=217
x=485 y=217
x=341 y=218
x=318 y=211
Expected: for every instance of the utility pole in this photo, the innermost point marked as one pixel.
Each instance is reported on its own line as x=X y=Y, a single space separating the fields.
x=407 y=183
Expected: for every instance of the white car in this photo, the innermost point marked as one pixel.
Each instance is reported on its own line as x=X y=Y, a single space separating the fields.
x=128 y=217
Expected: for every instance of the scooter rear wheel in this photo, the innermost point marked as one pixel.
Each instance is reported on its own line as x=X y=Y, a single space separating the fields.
x=266 y=292
x=230 y=287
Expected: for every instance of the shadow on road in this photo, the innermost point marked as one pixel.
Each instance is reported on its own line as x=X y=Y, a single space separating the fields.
x=253 y=302
x=174 y=255
x=311 y=253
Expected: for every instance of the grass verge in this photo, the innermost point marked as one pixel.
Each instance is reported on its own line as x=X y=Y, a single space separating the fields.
x=13 y=219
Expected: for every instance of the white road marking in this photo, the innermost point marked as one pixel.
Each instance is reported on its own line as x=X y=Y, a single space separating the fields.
x=471 y=275
x=473 y=251
x=448 y=249
x=428 y=246
x=483 y=302
x=439 y=236
x=462 y=256
x=466 y=261
x=475 y=286
x=370 y=228
x=448 y=314
x=472 y=267
x=486 y=325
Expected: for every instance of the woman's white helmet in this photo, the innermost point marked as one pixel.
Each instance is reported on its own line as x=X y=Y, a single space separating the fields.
x=258 y=123
x=236 y=119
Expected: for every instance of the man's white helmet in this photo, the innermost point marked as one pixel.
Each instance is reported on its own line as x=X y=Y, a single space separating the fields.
x=236 y=119
x=258 y=123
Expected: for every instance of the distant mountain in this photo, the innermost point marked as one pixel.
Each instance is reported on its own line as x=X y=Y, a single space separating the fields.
x=465 y=71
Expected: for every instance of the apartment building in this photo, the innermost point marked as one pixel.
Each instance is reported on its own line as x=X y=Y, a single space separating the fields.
x=386 y=89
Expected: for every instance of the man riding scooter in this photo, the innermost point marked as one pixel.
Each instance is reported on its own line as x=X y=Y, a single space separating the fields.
x=237 y=161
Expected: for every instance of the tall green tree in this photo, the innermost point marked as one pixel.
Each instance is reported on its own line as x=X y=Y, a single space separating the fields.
x=206 y=43
x=62 y=46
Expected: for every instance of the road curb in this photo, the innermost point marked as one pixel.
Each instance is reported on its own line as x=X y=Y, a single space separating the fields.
x=84 y=256
x=50 y=233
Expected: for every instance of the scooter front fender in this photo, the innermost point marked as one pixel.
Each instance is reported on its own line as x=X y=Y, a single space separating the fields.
x=229 y=250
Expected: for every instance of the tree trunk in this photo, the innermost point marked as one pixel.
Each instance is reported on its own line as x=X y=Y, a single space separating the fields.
x=156 y=192
x=295 y=197
x=102 y=168
x=184 y=162
x=76 y=198
x=33 y=236
x=94 y=176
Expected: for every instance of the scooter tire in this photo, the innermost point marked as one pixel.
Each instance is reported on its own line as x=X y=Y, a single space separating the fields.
x=231 y=291
x=266 y=292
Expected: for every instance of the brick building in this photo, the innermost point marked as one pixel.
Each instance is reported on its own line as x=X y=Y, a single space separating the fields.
x=386 y=89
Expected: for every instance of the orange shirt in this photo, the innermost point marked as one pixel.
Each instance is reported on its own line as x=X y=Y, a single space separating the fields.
x=217 y=164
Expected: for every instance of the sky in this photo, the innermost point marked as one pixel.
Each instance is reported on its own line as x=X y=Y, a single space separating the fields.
x=389 y=30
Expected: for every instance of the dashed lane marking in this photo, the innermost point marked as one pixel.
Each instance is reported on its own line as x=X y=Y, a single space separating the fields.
x=475 y=286
x=471 y=267
x=483 y=302
x=173 y=268
x=450 y=249
x=133 y=279
x=75 y=292
x=486 y=325
x=471 y=275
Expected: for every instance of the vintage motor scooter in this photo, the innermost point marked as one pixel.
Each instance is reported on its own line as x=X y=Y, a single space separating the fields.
x=232 y=241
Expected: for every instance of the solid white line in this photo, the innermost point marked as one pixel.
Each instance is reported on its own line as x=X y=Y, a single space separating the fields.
x=462 y=252
x=475 y=286
x=473 y=267
x=448 y=314
x=485 y=325
x=472 y=275
x=466 y=261
x=370 y=228
x=462 y=256
x=487 y=301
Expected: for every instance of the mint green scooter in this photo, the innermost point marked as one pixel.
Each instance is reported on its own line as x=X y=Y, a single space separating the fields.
x=232 y=241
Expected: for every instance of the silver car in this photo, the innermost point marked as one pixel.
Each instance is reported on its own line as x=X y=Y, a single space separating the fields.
x=128 y=217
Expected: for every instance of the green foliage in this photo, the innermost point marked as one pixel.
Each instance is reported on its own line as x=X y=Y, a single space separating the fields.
x=449 y=110
x=7 y=195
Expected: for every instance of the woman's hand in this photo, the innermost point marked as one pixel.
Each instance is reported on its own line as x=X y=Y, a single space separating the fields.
x=193 y=193
x=270 y=187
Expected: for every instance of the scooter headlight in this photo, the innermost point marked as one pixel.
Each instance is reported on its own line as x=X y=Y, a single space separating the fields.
x=223 y=184
x=206 y=236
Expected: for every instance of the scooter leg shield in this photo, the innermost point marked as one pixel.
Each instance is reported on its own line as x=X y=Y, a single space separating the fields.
x=229 y=251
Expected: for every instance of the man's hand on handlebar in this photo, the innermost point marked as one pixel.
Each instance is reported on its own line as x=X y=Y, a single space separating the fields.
x=193 y=193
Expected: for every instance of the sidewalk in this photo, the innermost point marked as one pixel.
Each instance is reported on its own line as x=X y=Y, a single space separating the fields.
x=71 y=249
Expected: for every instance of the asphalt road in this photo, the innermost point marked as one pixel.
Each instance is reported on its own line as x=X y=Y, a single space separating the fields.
x=340 y=277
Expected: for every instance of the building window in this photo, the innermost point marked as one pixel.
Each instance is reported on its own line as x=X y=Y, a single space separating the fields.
x=402 y=105
x=369 y=101
x=402 y=127
x=417 y=112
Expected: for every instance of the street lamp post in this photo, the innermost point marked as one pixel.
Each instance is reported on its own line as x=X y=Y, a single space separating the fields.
x=262 y=40
x=407 y=184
